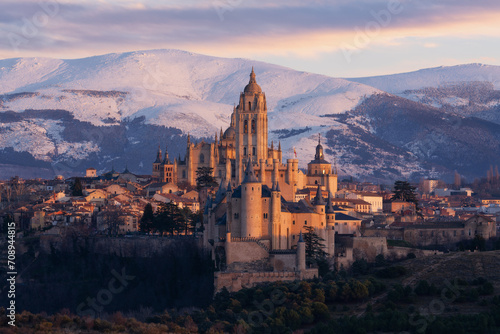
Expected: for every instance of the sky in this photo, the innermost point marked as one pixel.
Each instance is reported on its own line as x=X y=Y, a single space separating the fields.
x=339 y=38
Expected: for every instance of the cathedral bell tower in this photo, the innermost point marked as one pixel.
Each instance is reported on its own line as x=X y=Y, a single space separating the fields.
x=250 y=122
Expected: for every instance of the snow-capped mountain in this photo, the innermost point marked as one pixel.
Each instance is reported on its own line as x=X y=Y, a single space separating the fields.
x=62 y=116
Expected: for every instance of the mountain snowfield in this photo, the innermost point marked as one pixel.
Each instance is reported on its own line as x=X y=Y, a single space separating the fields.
x=52 y=108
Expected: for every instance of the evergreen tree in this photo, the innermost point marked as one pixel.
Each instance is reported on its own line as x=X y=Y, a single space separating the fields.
x=146 y=224
x=167 y=219
x=404 y=191
x=204 y=178
x=314 y=246
x=77 y=188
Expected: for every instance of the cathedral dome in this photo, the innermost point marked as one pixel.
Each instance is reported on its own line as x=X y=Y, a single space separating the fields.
x=230 y=133
x=252 y=86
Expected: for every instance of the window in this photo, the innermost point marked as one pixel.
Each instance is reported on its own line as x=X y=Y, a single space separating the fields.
x=293 y=223
x=265 y=215
x=253 y=151
x=183 y=174
x=293 y=237
x=244 y=151
x=245 y=126
x=253 y=126
x=202 y=158
x=236 y=216
x=305 y=222
x=249 y=105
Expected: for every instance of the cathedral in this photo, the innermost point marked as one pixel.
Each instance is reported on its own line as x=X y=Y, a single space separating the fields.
x=255 y=221
x=246 y=140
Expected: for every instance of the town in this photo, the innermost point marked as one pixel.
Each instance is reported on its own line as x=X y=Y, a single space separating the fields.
x=255 y=213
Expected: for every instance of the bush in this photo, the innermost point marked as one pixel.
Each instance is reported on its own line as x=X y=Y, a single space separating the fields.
x=392 y=272
x=380 y=260
x=360 y=267
x=320 y=311
x=411 y=256
x=422 y=288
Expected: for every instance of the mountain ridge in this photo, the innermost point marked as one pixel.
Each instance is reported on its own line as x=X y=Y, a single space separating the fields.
x=134 y=95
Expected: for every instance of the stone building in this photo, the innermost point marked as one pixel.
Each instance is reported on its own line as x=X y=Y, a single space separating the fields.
x=246 y=140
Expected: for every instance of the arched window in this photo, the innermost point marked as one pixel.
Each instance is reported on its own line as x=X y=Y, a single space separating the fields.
x=253 y=126
x=183 y=174
x=249 y=105
x=202 y=158
x=245 y=126
x=244 y=151
x=253 y=151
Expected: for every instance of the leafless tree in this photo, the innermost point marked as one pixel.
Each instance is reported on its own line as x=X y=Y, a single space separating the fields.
x=112 y=218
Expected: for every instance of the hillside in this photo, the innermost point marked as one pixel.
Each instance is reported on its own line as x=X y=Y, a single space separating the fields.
x=62 y=116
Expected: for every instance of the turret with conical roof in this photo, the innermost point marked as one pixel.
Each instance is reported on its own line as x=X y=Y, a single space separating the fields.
x=251 y=204
x=318 y=199
x=249 y=174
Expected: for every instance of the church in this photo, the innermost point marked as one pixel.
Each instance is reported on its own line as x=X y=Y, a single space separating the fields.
x=246 y=140
x=256 y=220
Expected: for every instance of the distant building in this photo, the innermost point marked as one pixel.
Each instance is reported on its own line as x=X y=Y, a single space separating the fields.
x=91 y=172
x=429 y=185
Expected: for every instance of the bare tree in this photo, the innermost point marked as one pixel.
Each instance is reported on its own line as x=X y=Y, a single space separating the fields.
x=112 y=219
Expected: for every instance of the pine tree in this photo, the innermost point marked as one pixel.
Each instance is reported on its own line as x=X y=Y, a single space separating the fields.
x=146 y=224
x=314 y=246
x=167 y=219
x=404 y=191
x=77 y=188
x=204 y=178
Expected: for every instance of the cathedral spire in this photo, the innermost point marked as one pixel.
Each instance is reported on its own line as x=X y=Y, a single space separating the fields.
x=158 y=155
x=166 y=160
x=279 y=146
x=252 y=77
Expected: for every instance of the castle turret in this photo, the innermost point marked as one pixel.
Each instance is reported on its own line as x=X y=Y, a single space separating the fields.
x=318 y=201
x=330 y=226
x=251 y=204
x=301 y=253
x=275 y=217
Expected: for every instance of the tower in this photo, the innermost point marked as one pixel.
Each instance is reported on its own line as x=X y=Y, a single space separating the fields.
x=275 y=215
x=251 y=204
x=319 y=171
x=250 y=123
x=330 y=226
x=156 y=175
